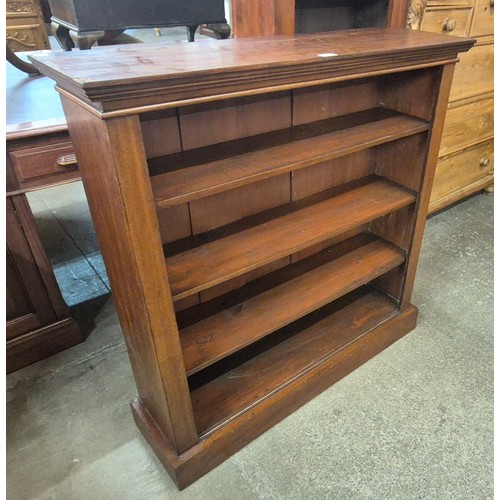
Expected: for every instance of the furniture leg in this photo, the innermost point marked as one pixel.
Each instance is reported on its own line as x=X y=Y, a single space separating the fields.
x=61 y=34
x=20 y=64
x=191 y=30
x=220 y=31
x=109 y=36
x=84 y=41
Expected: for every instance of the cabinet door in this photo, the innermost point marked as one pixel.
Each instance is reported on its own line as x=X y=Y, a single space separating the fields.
x=28 y=302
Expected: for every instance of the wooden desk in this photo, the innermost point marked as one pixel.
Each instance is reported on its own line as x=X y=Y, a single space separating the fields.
x=39 y=322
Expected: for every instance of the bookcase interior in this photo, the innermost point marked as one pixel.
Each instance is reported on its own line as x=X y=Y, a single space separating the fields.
x=296 y=208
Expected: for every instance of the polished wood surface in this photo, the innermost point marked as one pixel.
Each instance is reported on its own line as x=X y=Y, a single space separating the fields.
x=235 y=328
x=257 y=376
x=302 y=146
x=234 y=265
x=160 y=73
x=116 y=164
x=207 y=265
x=298 y=388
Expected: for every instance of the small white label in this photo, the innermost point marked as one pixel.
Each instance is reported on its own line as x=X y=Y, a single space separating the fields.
x=327 y=54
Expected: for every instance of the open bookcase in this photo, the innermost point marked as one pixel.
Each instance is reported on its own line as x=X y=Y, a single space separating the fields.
x=260 y=205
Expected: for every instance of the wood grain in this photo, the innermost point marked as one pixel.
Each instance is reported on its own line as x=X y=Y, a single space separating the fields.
x=474 y=74
x=441 y=103
x=219 y=444
x=366 y=130
x=435 y=20
x=328 y=101
x=210 y=340
x=272 y=316
x=182 y=72
x=160 y=133
x=459 y=133
x=117 y=186
x=483 y=22
x=213 y=123
x=205 y=266
x=461 y=169
x=263 y=373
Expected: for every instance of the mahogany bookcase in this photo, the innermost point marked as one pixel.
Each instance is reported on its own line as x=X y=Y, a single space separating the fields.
x=260 y=205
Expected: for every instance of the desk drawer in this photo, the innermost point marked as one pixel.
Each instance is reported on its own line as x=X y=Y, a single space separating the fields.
x=42 y=161
x=474 y=72
x=483 y=18
x=455 y=21
x=458 y=171
x=467 y=125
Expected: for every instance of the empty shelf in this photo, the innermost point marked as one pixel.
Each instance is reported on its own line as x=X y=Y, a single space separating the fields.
x=207 y=265
x=297 y=350
x=211 y=339
x=323 y=141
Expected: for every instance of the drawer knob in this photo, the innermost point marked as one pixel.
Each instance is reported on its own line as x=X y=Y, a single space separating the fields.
x=67 y=161
x=484 y=161
x=449 y=25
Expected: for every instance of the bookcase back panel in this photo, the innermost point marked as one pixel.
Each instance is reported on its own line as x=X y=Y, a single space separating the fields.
x=326 y=101
x=212 y=123
x=174 y=222
x=230 y=206
x=404 y=161
x=403 y=92
x=160 y=133
x=312 y=180
x=240 y=281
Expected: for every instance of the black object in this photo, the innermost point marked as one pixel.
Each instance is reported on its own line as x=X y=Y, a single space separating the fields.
x=82 y=22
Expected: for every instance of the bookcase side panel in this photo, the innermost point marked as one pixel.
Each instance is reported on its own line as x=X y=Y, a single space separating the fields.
x=443 y=86
x=116 y=181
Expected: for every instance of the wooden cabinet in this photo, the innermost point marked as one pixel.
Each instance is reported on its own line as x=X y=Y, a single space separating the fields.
x=468 y=133
x=38 y=321
x=25 y=26
x=286 y=17
x=260 y=205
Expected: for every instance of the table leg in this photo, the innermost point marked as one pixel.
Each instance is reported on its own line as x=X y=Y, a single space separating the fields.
x=84 y=41
x=191 y=30
x=20 y=64
x=61 y=34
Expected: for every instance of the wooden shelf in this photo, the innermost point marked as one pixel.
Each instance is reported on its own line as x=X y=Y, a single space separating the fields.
x=260 y=157
x=218 y=336
x=207 y=265
x=240 y=357
x=296 y=351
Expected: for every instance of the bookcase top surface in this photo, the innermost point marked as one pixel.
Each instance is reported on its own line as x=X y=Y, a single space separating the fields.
x=184 y=71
